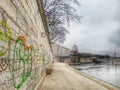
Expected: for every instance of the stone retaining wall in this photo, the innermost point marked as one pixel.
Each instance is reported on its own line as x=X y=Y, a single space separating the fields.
x=25 y=50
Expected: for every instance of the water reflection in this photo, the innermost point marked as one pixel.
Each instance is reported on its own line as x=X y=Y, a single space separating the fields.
x=106 y=72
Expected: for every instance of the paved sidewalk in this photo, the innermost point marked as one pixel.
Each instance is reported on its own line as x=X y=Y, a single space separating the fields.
x=62 y=78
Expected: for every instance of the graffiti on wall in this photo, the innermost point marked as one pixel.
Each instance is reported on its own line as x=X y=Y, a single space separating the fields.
x=5 y=34
x=5 y=43
x=17 y=67
x=22 y=62
x=40 y=57
x=5 y=38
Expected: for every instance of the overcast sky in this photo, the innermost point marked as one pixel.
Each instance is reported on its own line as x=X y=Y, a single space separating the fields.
x=99 y=31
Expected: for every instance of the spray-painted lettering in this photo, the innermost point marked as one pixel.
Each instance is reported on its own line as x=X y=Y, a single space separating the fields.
x=22 y=62
x=5 y=38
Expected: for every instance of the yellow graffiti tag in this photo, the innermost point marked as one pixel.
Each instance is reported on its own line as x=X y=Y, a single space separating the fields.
x=5 y=38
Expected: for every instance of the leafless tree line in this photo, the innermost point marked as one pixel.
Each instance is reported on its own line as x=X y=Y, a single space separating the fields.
x=59 y=12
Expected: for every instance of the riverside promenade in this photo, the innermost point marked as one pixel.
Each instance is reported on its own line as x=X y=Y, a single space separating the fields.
x=64 y=78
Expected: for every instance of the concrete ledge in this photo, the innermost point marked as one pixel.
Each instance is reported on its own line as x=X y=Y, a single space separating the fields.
x=103 y=83
x=36 y=88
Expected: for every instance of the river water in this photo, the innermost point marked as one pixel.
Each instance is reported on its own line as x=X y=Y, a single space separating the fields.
x=105 y=72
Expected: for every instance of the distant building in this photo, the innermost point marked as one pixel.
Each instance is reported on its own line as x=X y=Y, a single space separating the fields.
x=85 y=58
x=80 y=57
x=60 y=53
x=95 y=58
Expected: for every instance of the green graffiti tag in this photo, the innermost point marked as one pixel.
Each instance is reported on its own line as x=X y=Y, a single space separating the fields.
x=43 y=59
x=5 y=38
x=22 y=62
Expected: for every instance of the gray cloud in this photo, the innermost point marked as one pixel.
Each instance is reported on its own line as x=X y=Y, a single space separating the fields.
x=115 y=37
x=99 y=31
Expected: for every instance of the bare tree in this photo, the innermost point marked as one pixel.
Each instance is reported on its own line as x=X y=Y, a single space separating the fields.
x=58 y=12
x=75 y=49
x=74 y=56
x=58 y=33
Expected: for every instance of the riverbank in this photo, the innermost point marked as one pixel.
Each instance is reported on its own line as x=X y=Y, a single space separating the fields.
x=65 y=77
x=103 y=83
